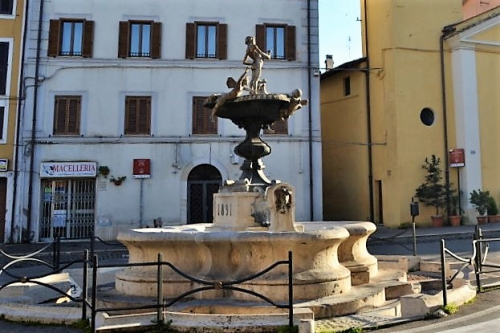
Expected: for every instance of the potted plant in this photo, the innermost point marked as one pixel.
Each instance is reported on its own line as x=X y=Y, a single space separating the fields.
x=492 y=210
x=479 y=199
x=117 y=181
x=455 y=212
x=432 y=192
x=103 y=170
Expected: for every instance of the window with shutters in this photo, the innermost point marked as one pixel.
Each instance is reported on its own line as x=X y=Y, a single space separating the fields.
x=139 y=39
x=279 y=39
x=67 y=115
x=201 y=118
x=137 y=115
x=4 y=66
x=206 y=40
x=6 y=7
x=71 y=38
x=279 y=127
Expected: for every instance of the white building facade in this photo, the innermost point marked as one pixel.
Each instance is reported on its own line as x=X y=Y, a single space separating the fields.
x=121 y=83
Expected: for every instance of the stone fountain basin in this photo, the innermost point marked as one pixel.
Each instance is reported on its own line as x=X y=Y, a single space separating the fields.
x=266 y=107
x=215 y=254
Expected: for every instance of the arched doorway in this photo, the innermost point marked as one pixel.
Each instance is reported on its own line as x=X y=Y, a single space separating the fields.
x=203 y=181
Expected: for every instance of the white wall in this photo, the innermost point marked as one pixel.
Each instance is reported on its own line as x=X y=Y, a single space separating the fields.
x=104 y=81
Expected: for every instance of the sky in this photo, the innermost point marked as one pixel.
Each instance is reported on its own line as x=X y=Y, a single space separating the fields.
x=339 y=31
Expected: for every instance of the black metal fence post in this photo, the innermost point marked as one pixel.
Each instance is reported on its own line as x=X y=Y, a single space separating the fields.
x=159 y=303
x=478 y=235
x=290 y=289
x=85 y=293
x=56 y=253
x=94 y=293
x=443 y=273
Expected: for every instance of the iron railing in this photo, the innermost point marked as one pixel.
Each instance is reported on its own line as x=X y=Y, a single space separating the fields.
x=161 y=304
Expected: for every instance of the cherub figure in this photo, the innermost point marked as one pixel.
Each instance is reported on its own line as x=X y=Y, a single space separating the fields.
x=262 y=86
x=295 y=102
x=257 y=56
x=237 y=89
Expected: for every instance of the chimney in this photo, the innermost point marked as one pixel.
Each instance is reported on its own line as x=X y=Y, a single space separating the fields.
x=329 y=62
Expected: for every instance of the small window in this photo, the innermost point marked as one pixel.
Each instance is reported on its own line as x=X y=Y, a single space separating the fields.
x=279 y=39
x=427 y=117
x=206 y=35
x=206 y=40
x=138 y=115
x=139 y=39
x=2 y=120
x=67 y=115
x=71 y=38
x=201 y=118
x=6 y=7
x=347 y=86
x=4 y=66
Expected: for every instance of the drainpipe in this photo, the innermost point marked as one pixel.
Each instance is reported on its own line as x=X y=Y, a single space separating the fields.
x=309 y=74
x=368 y=119
x=33 y=124
x=445 y=33
x=18 y=122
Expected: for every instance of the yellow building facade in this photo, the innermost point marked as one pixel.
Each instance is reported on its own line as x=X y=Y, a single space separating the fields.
x=425 y=86
x=11 y=44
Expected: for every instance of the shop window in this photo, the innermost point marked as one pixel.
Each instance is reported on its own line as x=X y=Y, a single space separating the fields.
x=72 y=38
x=279 y=39
x=206 y=40
x=201 y=118
x=67 y=115
x=137 y=115
x=139 y=39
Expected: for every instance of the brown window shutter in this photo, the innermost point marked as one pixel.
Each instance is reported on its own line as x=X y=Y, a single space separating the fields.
x=222 y=41
x=156 y=40
x=123 y=40
x=190 y=41
x=260 y=36
x=53 y=49
x=280 y=127
x=201 y=118
x=59 y=115
x=130 y=115
x=88 y=39
x=144 y=116
x=73 y=117
x=125 y=120
x=290 y=42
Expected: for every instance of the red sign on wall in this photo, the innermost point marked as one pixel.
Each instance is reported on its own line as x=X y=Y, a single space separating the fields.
x=457 y=158
x=142 y=168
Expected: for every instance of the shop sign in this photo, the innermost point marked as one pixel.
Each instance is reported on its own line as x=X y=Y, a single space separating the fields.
x=142 y=168
x=68 y=169
x=457 y=158
x=4 y=163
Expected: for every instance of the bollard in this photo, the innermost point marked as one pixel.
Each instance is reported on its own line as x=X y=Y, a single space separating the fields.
x=306 y=326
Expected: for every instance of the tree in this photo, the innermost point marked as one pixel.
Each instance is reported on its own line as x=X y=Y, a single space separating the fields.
x=432 y=192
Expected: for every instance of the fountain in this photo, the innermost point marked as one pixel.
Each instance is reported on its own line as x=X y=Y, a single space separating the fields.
x=254 y=225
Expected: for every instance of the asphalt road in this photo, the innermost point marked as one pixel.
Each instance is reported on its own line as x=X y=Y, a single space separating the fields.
x=10 y=327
